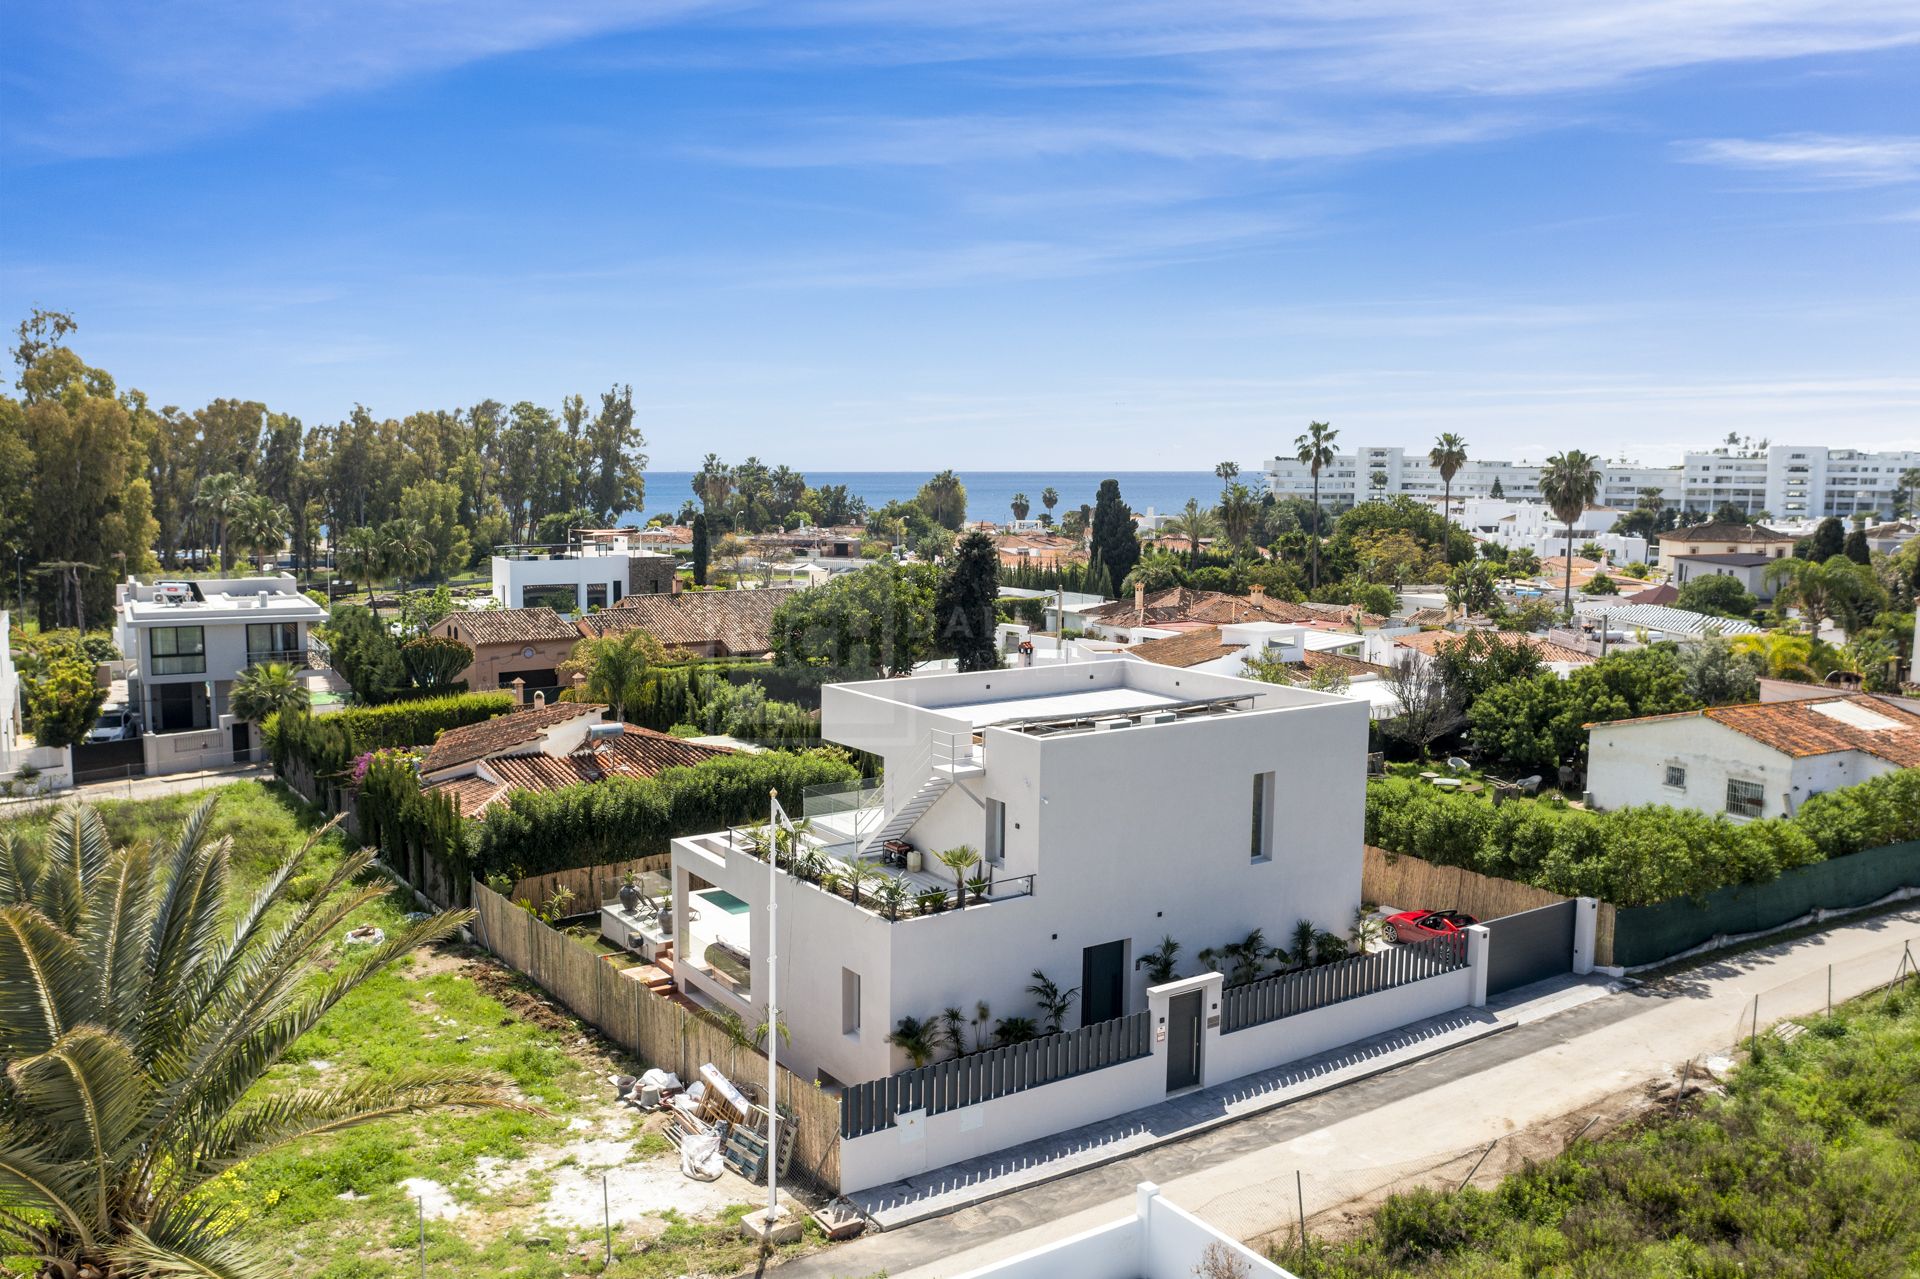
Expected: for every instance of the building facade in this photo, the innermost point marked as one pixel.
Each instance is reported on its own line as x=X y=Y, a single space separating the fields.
x=596 y=570
x=1787 y=481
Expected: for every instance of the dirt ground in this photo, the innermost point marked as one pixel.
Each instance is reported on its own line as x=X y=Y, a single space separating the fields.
x=1336 y=1217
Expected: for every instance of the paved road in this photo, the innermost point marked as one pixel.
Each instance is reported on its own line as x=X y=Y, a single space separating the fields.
x=1472 y=1095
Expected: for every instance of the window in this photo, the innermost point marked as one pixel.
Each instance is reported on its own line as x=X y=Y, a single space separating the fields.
x=1262 y=817
x=1745 y=799
x=596 y=595
x=272 y=641
x=1677 y=776
x=849 y=1002
x=996 y=840
x=179 y=650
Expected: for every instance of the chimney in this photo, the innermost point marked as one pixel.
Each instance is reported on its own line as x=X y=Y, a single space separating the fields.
x=1139 y=601
x=579 y=679
x=539 y=700
x=519 y=691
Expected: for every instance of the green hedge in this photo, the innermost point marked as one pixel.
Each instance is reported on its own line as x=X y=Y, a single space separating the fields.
x=326 y=745
x=1635 y=856
x=621 y=818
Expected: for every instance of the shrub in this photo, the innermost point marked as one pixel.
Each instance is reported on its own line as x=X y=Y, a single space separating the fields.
x=327 y=745
x=539 y=832
x=1636 y=856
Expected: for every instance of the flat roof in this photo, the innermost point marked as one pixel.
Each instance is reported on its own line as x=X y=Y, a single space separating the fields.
x=1092 y=703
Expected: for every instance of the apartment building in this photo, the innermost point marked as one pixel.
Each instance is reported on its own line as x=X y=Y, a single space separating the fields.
x=1788 y=481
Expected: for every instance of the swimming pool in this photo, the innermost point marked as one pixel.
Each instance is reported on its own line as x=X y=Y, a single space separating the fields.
x=724 y=900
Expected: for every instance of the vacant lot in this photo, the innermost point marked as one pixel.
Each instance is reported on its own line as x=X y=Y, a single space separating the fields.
x=501 y=1193
x=1809 y=1165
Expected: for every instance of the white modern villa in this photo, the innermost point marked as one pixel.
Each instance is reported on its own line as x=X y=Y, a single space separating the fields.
x=186 y=642
x=1114 y=803
x=595 y=569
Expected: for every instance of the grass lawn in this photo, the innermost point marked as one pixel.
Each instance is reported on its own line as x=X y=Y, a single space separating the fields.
x=506 y=1193
x=1808 y=1166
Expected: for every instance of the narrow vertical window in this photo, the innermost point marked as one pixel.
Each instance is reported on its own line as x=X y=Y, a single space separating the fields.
x=996 y=840
x=849 y=1002
x=1262 y=825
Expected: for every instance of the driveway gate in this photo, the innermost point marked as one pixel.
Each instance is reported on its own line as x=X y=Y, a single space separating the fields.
x=1531 y=946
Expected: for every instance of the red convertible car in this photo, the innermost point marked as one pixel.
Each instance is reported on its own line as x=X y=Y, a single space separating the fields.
x=1419 y=925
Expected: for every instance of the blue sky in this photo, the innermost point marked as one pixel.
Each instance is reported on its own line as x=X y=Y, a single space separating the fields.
x=889 y=235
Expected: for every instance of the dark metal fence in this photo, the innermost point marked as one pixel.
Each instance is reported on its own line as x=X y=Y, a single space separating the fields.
x=997 y=1072
x=1290 y=994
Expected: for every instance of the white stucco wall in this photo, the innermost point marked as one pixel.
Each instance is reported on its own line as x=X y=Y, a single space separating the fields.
x=1159 y=1241
x=1627 y=764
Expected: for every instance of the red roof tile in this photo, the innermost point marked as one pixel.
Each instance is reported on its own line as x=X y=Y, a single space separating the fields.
x=502 y=733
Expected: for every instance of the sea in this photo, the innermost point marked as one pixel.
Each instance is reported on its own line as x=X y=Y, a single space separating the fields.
x=989 y=493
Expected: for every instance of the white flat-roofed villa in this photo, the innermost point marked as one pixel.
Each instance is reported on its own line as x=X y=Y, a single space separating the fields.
x=1114 y=803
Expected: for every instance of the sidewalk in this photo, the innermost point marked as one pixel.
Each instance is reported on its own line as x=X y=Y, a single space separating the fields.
x=1548 y=1066
x=137 y=788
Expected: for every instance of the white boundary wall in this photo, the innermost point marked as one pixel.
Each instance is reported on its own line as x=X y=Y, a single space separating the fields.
x=918 y=1143
x=1160 y=1241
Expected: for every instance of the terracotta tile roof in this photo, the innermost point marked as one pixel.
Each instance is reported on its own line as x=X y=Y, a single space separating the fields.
x=513 y=626
x=1803 y=728
x=637 y=752
x=740 y=623
x=1431 y=642
x=1351 y=666
x=1665 y=593
x=501 y=733
x=1184 y=604
x=1189 y=649
x=1724 y=533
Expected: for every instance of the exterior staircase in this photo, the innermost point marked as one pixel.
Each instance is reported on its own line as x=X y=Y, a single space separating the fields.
x=948 y=758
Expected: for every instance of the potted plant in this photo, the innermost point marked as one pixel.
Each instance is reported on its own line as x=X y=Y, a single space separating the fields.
x=629 y=894
x=960 y=860
x=978 y=886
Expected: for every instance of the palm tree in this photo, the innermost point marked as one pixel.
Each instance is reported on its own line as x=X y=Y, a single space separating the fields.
x=1238 y=510
x=1568 y=485
x=960 y=860
x=1448 y=455
x=1226 y=473
x=1193 y=523
x=1020 y=506
x=147 y=1007
x=1049 y=498
x=407 y=548
x=915 y=1038
x=617 y=671
x=270 y=688
x=361 y=553
x=260 y=525
x=1054 y=1002
x=713 y=484
x=221 y=497
x=1910 y=485
x=857 y=875
x=1314 y=450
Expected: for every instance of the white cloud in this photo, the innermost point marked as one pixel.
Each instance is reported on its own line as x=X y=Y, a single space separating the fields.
x=102 y=78
x=1815 y=159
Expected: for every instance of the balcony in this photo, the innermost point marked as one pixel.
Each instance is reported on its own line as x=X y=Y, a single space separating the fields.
x=300 y=659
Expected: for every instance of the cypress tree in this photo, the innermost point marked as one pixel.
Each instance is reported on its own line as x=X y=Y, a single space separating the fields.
x=1114 y=541
x=700 y=550
x=1856 y=547
x=963 y=603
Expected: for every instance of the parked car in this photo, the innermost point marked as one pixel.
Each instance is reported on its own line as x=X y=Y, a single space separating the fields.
x=1420 y=925
x=116 y=724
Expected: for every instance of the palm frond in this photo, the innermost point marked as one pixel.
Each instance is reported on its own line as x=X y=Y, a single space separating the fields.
x=187 y=1246
x=20 y=864
x=76 y=854
x=45 y=985
x=35 y=1178
x=85 y=1096
x=117 y=925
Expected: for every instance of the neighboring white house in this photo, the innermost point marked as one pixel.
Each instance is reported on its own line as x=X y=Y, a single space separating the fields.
x=596 y=570
x=186 y=642
x=1759 y=760
x=1301 y=653
x=1532 y=526
x=1159 y=1241
x=1750 y=570
x=9 y=700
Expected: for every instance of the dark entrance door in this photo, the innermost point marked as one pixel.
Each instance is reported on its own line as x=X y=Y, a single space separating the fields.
x=1103 y=993
x=242 y=744
x=1183 y=1041
x=1530 y=946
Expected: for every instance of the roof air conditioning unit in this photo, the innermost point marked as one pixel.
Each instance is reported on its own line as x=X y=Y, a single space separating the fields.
x=1104 y=725
x=1158 y=717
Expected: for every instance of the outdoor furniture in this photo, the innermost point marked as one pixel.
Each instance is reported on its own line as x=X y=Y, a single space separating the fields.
x=1457 y=764
x=1447 y=783
x=1528 y=785
x=1471 y=788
